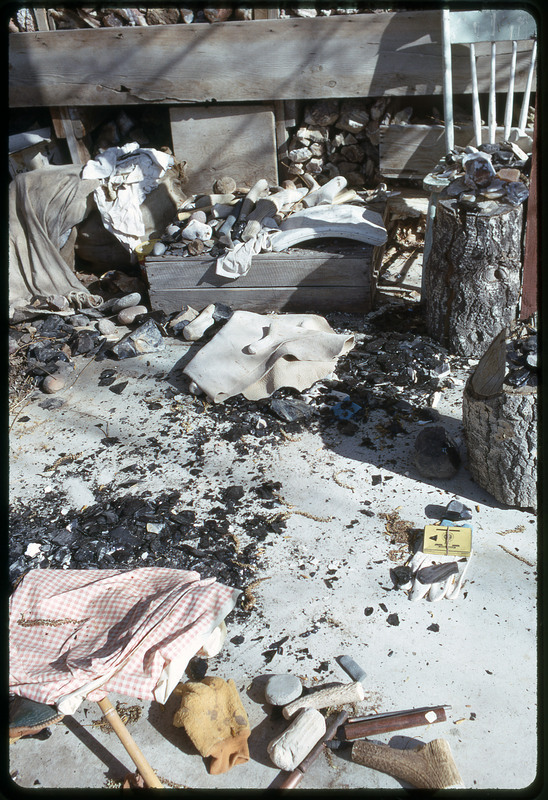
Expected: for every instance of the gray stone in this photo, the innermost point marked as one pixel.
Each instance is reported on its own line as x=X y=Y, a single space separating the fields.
x=106 y=327
x=78 y=320
x=351 y=668
x=455 y=510
x=127 y=301
x=145 y=339
x=282 y=689
x=436 y=453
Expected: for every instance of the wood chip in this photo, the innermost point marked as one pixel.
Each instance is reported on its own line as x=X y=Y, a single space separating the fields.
x=519 y=558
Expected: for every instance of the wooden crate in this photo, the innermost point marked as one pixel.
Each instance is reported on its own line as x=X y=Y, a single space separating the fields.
x=337 y=277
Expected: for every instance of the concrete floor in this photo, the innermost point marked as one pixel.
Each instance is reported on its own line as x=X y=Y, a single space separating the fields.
x=482 y=661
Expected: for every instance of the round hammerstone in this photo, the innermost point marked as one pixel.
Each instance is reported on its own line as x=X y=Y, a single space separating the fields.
x=224 y=185
x=127 y=315
x=158 y=249
x=199 y=216
x=53 y=383
x=106 y=327
x=282 y=689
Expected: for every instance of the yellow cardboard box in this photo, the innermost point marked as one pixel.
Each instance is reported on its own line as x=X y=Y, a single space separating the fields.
x=443 y=540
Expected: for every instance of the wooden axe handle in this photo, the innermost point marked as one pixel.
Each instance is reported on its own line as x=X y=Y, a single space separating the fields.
x=125 y=737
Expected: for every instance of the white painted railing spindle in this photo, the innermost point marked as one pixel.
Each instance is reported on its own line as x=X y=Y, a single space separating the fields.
x=510 y=96
x=475 y=95
x=527 y=93
x=492 y=118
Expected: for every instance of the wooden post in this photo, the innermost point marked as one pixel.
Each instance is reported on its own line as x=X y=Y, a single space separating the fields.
x=510 y=94
x=527 y=92
x=492 y=113
x=473 y=275
x=61 y=116
x=279 y=109
x=529 y=290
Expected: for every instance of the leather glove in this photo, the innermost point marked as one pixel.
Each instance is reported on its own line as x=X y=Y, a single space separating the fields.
x=436 y=577
x=215 y=720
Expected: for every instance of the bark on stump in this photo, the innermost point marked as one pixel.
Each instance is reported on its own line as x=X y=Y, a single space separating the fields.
x=473 y=276
x=500 y=431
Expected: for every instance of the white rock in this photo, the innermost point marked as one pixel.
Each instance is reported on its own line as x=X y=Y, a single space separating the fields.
x=196 y=329
x=300 y=155
x=127 y=315
x=158 y=249
x=197 y=230
x=288 y=750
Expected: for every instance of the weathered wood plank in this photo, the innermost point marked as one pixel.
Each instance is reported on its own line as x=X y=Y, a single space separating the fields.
x=529 y=288
x=267 y=271
x=224 y=140
x=411 y=151
x=362 y=55
x=313 y=299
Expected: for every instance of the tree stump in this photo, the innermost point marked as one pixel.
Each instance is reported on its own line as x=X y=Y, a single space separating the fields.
x=472 y=277
x=500 y=431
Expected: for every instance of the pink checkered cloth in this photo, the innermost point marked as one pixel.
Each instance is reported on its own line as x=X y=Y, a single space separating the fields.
x=83 y=633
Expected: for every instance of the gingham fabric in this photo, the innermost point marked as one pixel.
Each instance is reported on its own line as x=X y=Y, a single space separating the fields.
x=73 y=628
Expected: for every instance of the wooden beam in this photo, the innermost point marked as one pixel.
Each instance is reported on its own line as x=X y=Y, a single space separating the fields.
x=361 y=55
x=529 y=287
x=64 y=119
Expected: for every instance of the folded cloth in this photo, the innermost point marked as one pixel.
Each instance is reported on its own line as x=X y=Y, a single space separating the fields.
x=84 y=633
x=44 y=206
x=237 y=261
x=255 y=354
x=126 y=174
x=215 y=720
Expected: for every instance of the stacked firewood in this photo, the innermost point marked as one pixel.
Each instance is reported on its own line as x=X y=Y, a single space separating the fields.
x=67 y=18
x=92 y=17
x=338 y=137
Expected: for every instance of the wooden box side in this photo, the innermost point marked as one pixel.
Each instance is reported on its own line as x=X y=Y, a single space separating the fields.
x=309 y=281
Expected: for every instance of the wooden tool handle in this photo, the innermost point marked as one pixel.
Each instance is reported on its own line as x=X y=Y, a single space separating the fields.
x=428 y=767
x=125 y=737
x=398 y=722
